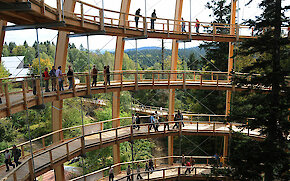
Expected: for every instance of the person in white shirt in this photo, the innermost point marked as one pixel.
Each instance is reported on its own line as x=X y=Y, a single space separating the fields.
x=60 y=78
x=8 y=160
x=111 y=174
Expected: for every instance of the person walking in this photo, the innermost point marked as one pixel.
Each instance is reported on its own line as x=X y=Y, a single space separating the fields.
x=176 y=118
x=52 y=74
x=188 y=168
x=192 y=163
x=180 y=117
x=153 y=19
x=16 y=153
x=108 y=74
x=60 y=78
x=197 y=25
x=166 y=123
x=138 y=121
x=138 y=172
x=134 y=121
x=182 y=25
x=105 y=75
x=70 y=74
x=183 y=160
x=156 y=116
x=129 y=173
x=151 y=166
x=151 y=122
x=111 y=174
x=137 y=15
x=46 y=79
x=8 y=160
x=94 y=75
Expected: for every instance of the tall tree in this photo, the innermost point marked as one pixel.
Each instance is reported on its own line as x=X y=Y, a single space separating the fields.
x=269 y=110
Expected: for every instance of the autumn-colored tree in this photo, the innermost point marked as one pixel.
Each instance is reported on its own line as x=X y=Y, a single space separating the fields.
x=43 y=63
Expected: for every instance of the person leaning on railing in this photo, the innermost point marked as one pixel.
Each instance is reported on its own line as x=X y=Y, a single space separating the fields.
x=70 y=75
x=52 y=74
x=46 y=79
x=94 y=75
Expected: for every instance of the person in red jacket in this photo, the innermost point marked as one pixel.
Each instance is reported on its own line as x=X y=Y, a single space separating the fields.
x=188 y=168
x=197 y=26
x=46 y=79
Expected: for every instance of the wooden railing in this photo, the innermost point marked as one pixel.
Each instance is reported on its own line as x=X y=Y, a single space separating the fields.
x=89 y=13
x=62 y=152
x=20 y=93
x=102 y=173
x=187 y=115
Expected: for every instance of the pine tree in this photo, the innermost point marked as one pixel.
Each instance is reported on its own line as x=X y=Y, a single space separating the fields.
x=269 y=110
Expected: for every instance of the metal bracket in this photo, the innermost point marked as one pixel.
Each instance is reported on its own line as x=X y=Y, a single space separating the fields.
x=183 y=41
x=34 y=26
x=87 y=34
x=135 y=38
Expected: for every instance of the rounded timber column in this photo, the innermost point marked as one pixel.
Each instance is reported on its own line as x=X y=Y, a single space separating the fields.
x=119 y=53
x=177 y=16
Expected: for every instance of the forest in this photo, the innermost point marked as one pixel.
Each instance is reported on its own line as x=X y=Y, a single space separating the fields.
x=250 y=159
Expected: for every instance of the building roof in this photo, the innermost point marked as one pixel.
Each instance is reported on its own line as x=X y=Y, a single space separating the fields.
x=15 y=66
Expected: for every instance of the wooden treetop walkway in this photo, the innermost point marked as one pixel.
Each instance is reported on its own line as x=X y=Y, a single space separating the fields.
x=162 y=169
x=95 y=137
x=17 y=95
x=162 y=112
x=38 y=14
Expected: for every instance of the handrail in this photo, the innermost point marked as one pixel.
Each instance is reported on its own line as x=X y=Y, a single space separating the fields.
x=140 y=161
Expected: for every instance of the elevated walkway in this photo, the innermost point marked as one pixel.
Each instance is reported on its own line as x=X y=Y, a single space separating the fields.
x=51 y=155
x=38 y=14
x=202 y=167
x=148 y=110
x=18 y=95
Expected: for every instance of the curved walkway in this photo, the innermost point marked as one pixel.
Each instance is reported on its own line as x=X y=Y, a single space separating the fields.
x=16 y=99
x=103 y=22
x=93 y=139
x=161 y=169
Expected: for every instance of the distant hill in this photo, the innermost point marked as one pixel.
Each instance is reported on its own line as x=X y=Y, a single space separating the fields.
x=148 y=56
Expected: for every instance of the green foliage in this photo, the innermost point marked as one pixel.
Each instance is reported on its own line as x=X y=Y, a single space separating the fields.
x=270 y=111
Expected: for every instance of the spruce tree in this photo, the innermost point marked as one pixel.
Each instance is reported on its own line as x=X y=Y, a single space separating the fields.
x=250 y=159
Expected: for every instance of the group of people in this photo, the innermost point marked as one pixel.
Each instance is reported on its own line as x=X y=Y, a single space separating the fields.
x=57 y=75
x=154 y=121
x=136 y=121
x=219 y=160
x=16 y=154
x=153 y=19
x=189 y=164
x=178 y=117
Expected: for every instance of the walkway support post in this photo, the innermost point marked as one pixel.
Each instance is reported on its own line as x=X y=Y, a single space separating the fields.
x=231 y=52
x=177 y=16
x=60 y=60
x=226 y=147
x=119 y=53
x=2 y=35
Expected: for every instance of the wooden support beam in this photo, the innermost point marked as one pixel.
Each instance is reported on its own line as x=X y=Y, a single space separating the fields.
x=60 y=60
x=2 y=35
x=226 y=146
x=178 y=11
x=231 y=52
x=119 y=54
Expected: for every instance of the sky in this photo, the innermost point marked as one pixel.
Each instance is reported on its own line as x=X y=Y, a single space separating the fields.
x=164 y=9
